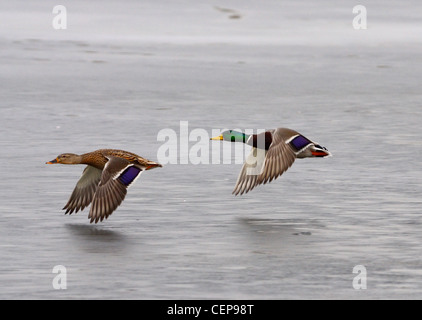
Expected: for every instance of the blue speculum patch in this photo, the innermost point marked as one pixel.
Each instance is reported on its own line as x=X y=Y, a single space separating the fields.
x=300 y=142
x=129 y=175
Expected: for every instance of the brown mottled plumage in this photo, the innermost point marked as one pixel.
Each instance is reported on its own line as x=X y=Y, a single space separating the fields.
x=104 y=182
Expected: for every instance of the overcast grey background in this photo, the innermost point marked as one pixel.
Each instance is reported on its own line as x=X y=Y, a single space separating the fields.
x=122 y=71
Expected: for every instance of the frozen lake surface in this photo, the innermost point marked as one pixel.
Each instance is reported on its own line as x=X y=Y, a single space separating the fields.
x=120 y=74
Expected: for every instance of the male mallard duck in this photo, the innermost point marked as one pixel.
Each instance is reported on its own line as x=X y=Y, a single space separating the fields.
x=273 y=152
x=104 y=181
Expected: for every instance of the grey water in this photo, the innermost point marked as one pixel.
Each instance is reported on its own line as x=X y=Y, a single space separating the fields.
x=121 y=73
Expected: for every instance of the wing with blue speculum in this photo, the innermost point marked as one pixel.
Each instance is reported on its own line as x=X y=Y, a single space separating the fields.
x=118 y=175
x=299 y=143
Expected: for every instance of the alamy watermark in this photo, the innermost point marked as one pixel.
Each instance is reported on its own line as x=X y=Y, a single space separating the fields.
x=196 y=147
x=60 y=280
x=359 y=281
x=60 y=19
x=360 y=20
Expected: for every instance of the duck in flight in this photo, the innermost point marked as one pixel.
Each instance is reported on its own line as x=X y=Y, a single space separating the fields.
x=104 y=181
x=273 y=152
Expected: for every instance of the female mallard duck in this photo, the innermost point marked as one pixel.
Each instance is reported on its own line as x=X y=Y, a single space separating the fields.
x=273 y=152
x=104 y=181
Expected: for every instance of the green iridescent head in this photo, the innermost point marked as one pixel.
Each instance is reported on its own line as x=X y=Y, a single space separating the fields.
x=232 y=136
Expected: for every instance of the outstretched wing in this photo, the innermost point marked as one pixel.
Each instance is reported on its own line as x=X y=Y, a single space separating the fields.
x=279 y=158
x=84 y=191
x=263 y=166
x=118 y=175
x=250 y=172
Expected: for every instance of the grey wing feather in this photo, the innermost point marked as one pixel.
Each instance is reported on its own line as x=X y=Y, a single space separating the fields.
x=250 y=171
x=84 y=191
x=110 y=192
x=271 y=163
x=279 y=158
